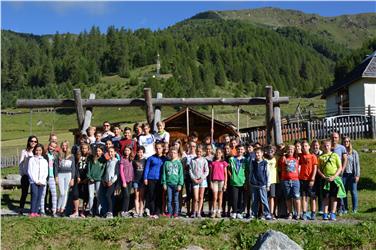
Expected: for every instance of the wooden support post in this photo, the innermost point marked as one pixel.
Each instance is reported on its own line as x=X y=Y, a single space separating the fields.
x=187 y=116
x=79 y=107
x=269 y=114
x=277 y=122
x=238 y=125
x=88 y=116
x=157 y=112
x=149 y=106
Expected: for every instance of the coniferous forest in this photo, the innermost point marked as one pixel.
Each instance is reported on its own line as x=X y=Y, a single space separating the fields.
x=198 y=56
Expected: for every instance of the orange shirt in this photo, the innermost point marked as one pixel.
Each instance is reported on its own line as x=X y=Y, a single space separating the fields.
x=234 y=152
x=289 y=168
x=307 y=162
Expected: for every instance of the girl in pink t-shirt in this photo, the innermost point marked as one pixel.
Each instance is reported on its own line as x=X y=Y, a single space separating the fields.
x=218 y=178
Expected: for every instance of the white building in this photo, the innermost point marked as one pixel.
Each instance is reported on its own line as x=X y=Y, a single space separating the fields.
x=356 y=92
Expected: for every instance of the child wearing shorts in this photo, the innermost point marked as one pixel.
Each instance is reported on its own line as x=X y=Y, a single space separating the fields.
x=138 y=182
x=198 y=172
x=329 y=169
x=289 y=172
x=273 y=178
x=307 y=175
x=218 y=178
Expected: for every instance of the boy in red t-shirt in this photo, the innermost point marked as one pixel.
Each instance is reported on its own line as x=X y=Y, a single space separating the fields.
x=288 y=167
x=307 y=175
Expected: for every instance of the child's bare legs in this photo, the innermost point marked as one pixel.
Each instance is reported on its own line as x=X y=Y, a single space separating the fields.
x=201 y=199
x=305 y=205
x=195 y=200
x=215 y=199
x=333 y=202
x=326 y=204
x=220 y=198
x=297 y=206
x=141 y=200
x=136 y=200
x=289 y=206
x=76 y=204
x=313 y=205
x=271 y=205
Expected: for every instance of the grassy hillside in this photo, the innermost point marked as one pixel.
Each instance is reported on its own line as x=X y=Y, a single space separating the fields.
x=349 y=30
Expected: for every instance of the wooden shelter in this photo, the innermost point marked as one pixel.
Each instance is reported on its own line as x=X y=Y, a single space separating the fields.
x=178 y=126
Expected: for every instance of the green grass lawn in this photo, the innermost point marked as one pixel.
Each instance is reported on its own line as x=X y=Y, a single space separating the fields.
x=121 y=233
x=352 y=231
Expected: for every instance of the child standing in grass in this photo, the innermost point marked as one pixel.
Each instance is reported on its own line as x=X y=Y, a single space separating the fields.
x=218 y=177
x=315 y=149
x=138 y=182
x=258 y=178
x=187 y=162
x=173 y=181
x=289 y=172
x=307 y=176
x=95 y=172
x=237 y=166
x=66 y=172
x=273 y=178
x=38 y=173
x=52 y=159
x=152 y=180
x=109 y=179
x=126 y=174
x=80 y=188
x=198 y=171
x=329 y=169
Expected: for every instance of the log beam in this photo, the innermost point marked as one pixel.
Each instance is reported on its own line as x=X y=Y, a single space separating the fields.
x=42 y=103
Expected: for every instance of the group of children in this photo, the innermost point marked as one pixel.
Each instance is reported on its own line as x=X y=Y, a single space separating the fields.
x=237 y=179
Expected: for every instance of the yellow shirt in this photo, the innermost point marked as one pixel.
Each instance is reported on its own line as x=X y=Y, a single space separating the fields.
x=329 y=163
x=273 y=174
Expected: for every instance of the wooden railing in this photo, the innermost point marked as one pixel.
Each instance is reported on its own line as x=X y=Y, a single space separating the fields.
x=9 y=161
x=354 y=127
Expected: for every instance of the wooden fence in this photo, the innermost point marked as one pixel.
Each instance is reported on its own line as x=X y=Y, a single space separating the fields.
x=9 y=161
x=354 y=127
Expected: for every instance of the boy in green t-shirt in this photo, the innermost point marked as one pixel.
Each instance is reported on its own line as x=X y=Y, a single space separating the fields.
x=329 y=169
x=172 y=181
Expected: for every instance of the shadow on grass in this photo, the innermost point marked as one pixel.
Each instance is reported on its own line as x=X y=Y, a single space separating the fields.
x=366 y=183
x=371 y=210
x=11 y=204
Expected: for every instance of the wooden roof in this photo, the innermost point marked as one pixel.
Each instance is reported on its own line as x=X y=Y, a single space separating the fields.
x=176 y=125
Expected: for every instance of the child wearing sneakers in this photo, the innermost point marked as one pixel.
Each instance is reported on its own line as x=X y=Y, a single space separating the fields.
x=258 y=178
x=218 y=181
x=329 y=169
x=289 y=172
x=236 y=171
x=307 y=175
x=173 y=181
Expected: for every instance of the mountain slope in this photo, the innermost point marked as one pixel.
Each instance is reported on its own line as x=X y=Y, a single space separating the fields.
x=349 y=30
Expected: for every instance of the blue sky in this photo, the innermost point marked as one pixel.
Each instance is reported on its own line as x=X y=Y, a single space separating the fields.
x=74 y=17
